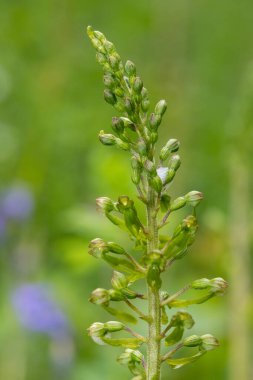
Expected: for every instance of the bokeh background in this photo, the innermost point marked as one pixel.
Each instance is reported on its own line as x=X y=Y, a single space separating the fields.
x=196 y=54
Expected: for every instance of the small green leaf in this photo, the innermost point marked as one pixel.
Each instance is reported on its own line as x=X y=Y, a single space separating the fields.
x=175 y=336
x=123 y=316
x=124 y=342
x=180 y=362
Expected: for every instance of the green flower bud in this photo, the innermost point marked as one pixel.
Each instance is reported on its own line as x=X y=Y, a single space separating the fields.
x=142 y=147
x=109 y=81
x=114 y=61
x=115 y=295
x=130 y=357
x=101 y=58
x=110 y=97
x=97 y=329
x=145 y=105
x=201 y=284
x=117 y=125
x=115 y=248
x=193 y=198
x=136 y=176
x=128 y=123
x=153 y=137
x=161 y=107
x=218 y=285
x=99 y=36
x=119 y=280
x=113 y=326
x=119 y=92
x=174 y=162
x=135 y=163
x=192 y=341
x=129 y=106
x=150 y=167
x=130 y=68
x=107 y=138
x=209 y=342
x=110 y=48
x=144 y=93
x=156 y=183
x=154 y=121
x=178 y=203
x=171 y=146
x=105 y=204
x=124 y=203
x=138 y=84
x=97 y=247
x=100 y=296
x=121 y=144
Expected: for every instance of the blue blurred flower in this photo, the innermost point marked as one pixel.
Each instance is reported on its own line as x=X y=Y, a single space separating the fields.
x=37 y=311
x=2 y=227
x=17 y=203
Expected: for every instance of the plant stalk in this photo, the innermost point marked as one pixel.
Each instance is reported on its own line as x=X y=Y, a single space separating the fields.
x=153 y=345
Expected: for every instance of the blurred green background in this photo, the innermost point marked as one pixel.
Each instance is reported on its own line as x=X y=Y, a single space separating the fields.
x=197 y=55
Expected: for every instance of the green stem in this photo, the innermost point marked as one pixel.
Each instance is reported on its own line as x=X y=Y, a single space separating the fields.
x=153 y=344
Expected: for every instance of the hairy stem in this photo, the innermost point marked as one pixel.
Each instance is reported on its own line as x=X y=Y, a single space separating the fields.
x=153 y=346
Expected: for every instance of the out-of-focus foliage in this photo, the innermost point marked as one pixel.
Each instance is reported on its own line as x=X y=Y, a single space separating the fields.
x=194 y=54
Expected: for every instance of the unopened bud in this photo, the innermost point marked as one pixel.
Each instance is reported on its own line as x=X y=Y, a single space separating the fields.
x=161 y=107
x=218 y=285
x=110 y=97
x=109 y=81
x=174 y=162
x=117 y=125
x=130 y=357
x=99 y=36
x=192 y=341
x=156 y=183
x=136 y=176
x=119 y=92
x=99 y=296
x=155 y=121
x=114 y=61
x=105 y=204
x=142 y=147
x=115 y=295
x=109 y=46
x=128 y=123
x=97 y=329
x=101 y=58
x=193 y=198
x=178 y=203
x=119 y=280
x=209 y=342
x=171 y=147
x=115 y=248
x=97 y=247
x=129 y=106
x=122 y=144
x=130 y=68
x=150 y=167
x=113 y=326
x=153 y=137
x=107 y=138
x=145 y=105
x=201 y=284
x=137 y=86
